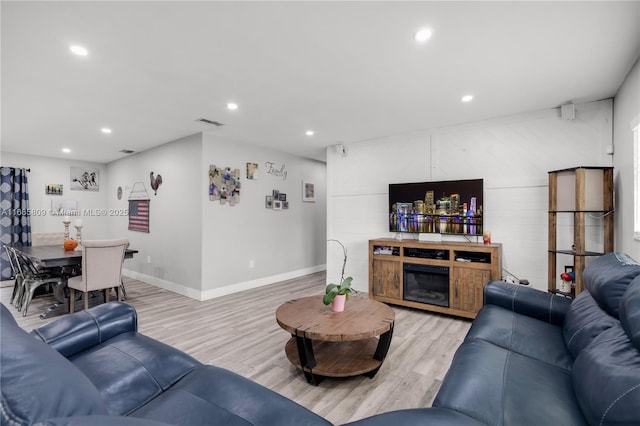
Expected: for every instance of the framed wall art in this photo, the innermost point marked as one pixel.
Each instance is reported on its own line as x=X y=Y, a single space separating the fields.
x=308 y=192
x=84 y=179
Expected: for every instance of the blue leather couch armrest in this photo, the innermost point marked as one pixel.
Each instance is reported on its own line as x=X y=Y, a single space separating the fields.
x=80 y=331
x=418 y=416
x=100 y=421
x=527 y=301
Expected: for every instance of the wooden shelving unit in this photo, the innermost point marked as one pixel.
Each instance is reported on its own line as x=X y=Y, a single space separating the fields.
x=579 y=191
x=467 y=278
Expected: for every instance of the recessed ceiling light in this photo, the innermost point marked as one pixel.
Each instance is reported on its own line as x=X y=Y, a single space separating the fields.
x=66 y=150
x=232 y=106
x=309 y=132
x=467 y=98
x=79 y=50
x=105 y=130
x=422 y=35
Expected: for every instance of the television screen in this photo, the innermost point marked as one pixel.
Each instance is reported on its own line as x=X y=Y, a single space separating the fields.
x=444 y=207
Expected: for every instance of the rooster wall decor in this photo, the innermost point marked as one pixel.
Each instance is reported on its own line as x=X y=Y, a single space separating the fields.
x=155 y=183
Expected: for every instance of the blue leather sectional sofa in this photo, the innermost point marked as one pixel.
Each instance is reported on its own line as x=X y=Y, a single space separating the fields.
x=531 y=358
x=94 y=368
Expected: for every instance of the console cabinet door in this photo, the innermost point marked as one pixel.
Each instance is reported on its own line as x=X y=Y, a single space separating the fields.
x=386 y=278
x=467 y=288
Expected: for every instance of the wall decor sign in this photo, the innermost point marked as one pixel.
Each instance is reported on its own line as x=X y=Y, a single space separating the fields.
x=273 y=170
x=64 y=207
x=119 y=193
x=252 y=171
x=224 y=185
x=308 y=191
x=53 y=189
x=139 y=208
x=84 y=179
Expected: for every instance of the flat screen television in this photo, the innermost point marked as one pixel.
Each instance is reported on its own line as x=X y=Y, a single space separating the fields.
x=441 y=207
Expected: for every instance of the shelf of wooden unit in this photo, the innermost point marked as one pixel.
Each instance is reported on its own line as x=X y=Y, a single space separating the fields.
x=589 y=191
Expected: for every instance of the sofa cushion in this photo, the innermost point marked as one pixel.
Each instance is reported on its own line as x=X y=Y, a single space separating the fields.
x=37 y=382
x=432 y=416
x=607 y=278
x=630 y=312
x=584 y=321
x=606 y=377
x=215 y=396
x=500 y=387
x=523 y=334
x=131 y=369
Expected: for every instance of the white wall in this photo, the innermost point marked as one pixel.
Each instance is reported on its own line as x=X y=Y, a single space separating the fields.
x=512 y=154
x=174 y=243
x=627 y=110
x=282 y=244
x=201 y=248
x=57 y=171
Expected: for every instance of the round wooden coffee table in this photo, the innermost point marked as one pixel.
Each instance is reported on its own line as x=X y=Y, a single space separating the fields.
x=336 y=344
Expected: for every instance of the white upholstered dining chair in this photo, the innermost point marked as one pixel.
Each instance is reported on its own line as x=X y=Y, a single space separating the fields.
x=101 y=270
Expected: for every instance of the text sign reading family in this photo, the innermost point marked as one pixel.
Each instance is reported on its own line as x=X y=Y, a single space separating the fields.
x=272 y=169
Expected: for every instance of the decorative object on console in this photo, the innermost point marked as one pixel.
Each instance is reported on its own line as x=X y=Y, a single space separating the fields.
x=78 y=226
x=70 y=245
x=224 y=185
x=66 y=220
x=486 y=237
x=83 y=178
x=445 y=207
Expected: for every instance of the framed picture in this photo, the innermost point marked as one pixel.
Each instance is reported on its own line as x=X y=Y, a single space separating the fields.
x=84 y=179
x=53 y=189
x=268 y=202
x=285 y=205
x=282 y=197
x=308 y=191
x=277 y=205
x=276 y=194
x=252 y=171
x=568 y=269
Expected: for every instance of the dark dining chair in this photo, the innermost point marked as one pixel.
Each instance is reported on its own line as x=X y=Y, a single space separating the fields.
x=101 y=270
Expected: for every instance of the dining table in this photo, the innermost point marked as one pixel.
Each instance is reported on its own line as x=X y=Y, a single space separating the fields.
x=68 y=262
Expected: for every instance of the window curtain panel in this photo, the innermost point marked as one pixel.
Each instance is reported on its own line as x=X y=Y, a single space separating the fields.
x=15 y=221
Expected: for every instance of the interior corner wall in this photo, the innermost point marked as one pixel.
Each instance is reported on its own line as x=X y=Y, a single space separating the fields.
x=512 y=154
x=627 y=111
x=248 y=245
x=44 y=171
x=170 y=254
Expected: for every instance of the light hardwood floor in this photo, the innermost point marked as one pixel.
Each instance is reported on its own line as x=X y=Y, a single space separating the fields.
x=239 y=332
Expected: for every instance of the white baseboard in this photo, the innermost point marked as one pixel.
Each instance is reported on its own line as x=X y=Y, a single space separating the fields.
x=221 y=291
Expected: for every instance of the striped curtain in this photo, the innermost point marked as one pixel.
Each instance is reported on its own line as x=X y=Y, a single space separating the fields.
x=15 y=221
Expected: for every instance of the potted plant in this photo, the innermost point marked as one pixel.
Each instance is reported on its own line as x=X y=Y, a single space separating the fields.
x=338 y=294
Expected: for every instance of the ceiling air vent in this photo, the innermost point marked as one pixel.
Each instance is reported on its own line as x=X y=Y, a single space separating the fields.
x=126 y=151
x=209 y=122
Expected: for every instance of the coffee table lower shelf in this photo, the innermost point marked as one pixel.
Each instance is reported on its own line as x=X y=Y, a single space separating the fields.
x=338 y=359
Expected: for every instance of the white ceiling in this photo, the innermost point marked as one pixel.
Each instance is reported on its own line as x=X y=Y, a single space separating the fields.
x=349 y=70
